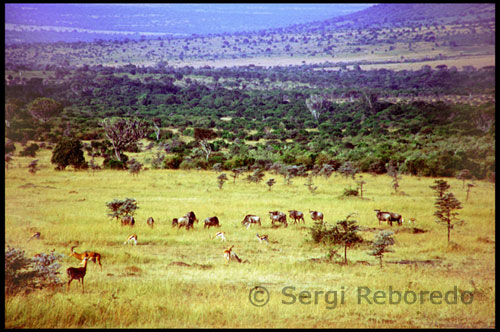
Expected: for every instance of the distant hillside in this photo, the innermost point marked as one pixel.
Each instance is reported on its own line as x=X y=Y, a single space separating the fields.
x=33 y=22
x=401 y=14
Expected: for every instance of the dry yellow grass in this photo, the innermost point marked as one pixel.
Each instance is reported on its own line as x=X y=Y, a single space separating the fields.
x=175 y=278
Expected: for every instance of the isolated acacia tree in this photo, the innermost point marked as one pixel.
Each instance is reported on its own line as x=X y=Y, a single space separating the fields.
x=221 y=179
x=202 y=136
x=445 y=211
x=440 y=187
x=392 y=171
x=270 y=183
x=42 y=109
x=120 y=208
x=463 y=175
x=123 y=132
x=236 y=172
x=33 y=166
x=380 y=245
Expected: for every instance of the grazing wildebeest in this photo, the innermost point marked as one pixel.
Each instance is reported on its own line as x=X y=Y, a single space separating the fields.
x=211 y=221
x=296 y=215
x=128 y=220
x=316 y=215
x=175 y=222
x=191 y=216
x=150 y=222
x=279 y=217
x=251 y=219
x=389 y=217
x=186 y=221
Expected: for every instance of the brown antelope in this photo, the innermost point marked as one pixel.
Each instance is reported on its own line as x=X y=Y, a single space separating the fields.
x=264 y=238
x=150 y=222
x=221 y=236
x=93 y=256
x=77 y=273
x=35 y=236
x=231 y=255
x=131 y=238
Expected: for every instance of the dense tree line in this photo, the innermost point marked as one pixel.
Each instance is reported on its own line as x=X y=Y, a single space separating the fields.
x=425 y=138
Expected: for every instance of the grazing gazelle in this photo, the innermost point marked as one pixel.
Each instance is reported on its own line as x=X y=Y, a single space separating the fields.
x=263 y=238
x=77 y=273
x=92 y=255
x=131 y=238
x=221 y=236
x=229 y=254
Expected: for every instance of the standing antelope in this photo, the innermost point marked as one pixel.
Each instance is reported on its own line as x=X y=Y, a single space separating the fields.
x=150 y=222
x=93 y=256
x=77 y=273
x=221 y=236
x=263 y=238
x=231 y=255
x=131 y=238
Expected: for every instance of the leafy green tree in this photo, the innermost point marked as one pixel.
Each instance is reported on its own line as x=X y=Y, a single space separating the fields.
x=380 y=245
x=119 y=208
x=445 y=211
x=346 y=234
x=68 y=152
x=123 y=132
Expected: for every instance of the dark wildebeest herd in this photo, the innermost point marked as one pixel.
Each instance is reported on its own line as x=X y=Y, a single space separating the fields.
x=277 y=218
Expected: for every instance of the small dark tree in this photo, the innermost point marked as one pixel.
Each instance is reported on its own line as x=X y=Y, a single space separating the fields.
x=440 y=187
x=68 y=152
x=134 y=166
x=360 y=186
x=33 y=166
x=8 y=159
x=270 y=183
x=310 y=185
x=30 y=151
x=347 y=169
x=445 y=211
x=463 y=175
x=256 y=176
x=469 y=187
x=326 y=170
x=93 y=166
x=346 y=234
x=221 y=179
x=158 y=161
x=380 y=244
x=392 y=171
x=235 y=173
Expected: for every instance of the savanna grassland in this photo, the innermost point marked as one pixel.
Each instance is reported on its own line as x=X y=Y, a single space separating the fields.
x=179 y=278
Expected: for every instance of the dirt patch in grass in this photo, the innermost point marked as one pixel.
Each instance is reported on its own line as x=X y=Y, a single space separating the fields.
x=196 y=265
